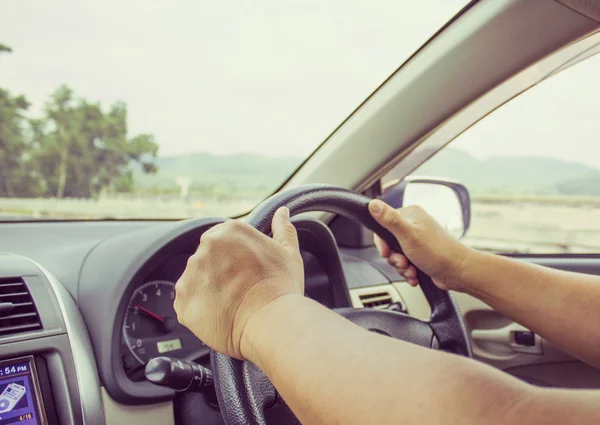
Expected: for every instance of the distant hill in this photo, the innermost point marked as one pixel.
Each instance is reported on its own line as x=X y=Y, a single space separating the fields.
x=239 y=171
x=517 y=175
x=498 y=175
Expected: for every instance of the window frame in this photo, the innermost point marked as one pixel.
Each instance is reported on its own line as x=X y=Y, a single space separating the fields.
x=589 y=52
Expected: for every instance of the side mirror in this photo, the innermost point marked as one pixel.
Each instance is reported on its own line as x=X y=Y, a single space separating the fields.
x=447 y=201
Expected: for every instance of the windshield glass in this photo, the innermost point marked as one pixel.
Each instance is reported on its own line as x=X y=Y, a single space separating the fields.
x=162 y=109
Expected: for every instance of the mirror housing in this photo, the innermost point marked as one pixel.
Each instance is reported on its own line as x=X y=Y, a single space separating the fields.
x=445 y=200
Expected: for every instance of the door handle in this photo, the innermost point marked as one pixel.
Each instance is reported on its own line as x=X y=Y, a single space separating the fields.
x=513 y=337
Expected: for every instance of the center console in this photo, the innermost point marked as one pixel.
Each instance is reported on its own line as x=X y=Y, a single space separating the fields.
x=22 y=398
x=48 y=374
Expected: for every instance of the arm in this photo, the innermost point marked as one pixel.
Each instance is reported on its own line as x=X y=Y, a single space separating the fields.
x=562 y=307
x=241 y=293
x=331 y=371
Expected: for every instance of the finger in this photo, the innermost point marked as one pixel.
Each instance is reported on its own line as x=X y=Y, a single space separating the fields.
x=211 y=231
x=388 y=217
x=413 y=282
x=284 y=231
x=399 y=261
x=400 y=270
x=382 y=247
x=410 y=272
x=177 y=302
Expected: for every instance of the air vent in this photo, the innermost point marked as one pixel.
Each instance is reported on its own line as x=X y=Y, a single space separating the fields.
x=380 y=297
x=17 y=309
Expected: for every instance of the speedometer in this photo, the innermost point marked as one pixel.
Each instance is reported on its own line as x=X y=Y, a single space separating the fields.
x=151 y=328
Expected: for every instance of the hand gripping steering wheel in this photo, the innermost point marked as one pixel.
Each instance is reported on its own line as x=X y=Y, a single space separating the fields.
x=245 y=394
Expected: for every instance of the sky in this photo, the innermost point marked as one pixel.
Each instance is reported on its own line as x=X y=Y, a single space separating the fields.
x=558 y=118
x=268 y=76
x=273 y=77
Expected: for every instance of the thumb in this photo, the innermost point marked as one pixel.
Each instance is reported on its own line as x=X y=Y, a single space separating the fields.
x=388 y=217
x=284 y=231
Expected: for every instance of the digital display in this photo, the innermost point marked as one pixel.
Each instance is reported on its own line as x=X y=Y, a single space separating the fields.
x=19 y=394
x=170 y=345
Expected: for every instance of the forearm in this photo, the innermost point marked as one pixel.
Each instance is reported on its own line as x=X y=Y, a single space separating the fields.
x=331 y=371
x=562 y=307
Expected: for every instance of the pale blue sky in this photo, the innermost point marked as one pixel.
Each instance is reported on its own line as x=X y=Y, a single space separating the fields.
x=272 y=76
x=268 y=76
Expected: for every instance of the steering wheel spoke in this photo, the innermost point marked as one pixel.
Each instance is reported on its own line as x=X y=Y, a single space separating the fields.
x=392 y=323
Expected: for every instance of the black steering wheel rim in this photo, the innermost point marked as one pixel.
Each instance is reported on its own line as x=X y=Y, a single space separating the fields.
x=242 y=391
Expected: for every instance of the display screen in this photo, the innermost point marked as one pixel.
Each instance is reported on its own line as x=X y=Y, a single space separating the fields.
x=170 y=345
x=19 y=393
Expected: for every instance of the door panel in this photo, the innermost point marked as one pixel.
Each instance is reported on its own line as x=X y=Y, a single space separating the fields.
x=573 y=374
x=493 y=335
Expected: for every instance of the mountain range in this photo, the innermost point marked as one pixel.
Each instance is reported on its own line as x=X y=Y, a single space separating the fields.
x=496 y=175
x=514 y=175
x=239 y=171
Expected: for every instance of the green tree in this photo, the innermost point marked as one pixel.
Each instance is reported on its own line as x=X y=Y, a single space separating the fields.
x=117 y=152
x=74 y=150
x=14 y=177
x=15 y=157
x=81 y=150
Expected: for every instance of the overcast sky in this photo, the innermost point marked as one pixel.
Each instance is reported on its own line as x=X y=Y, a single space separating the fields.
x=267 y=76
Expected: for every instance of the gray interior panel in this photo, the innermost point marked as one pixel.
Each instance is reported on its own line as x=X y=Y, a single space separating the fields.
x=62 y=246
x=588 y=8
x=569 y=374
x=61 y=343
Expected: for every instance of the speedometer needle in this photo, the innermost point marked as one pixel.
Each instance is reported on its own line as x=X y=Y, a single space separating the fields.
x=150 y=313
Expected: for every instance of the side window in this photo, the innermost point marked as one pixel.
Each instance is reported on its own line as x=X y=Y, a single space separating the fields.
x=532 y=168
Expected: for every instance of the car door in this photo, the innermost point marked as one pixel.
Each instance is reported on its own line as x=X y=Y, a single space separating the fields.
x=532 y=168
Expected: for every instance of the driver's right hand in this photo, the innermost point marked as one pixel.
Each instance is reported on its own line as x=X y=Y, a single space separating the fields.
x=236 y=272
x=425 y=243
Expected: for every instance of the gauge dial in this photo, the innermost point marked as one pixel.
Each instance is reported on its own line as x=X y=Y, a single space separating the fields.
x=151 y=328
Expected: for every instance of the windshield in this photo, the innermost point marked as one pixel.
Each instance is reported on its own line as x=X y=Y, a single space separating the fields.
x=162 y=109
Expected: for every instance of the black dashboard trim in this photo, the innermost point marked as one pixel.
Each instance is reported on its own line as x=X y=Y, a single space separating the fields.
x=16 y=266
x=317 y=238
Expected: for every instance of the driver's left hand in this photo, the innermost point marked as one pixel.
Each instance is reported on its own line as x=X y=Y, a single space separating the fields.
x=236 y=271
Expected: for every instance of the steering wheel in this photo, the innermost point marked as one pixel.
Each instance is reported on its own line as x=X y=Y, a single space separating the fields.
x=246 y=395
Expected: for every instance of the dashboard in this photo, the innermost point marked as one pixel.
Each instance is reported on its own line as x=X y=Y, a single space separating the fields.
x=149 y=322
x=103 y=306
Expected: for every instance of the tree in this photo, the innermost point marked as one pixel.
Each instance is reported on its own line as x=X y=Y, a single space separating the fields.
x=14 y=178
x=15 y=158
x=62 y=113
x=74 y=150
x=82 y=150
x=116 y=152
